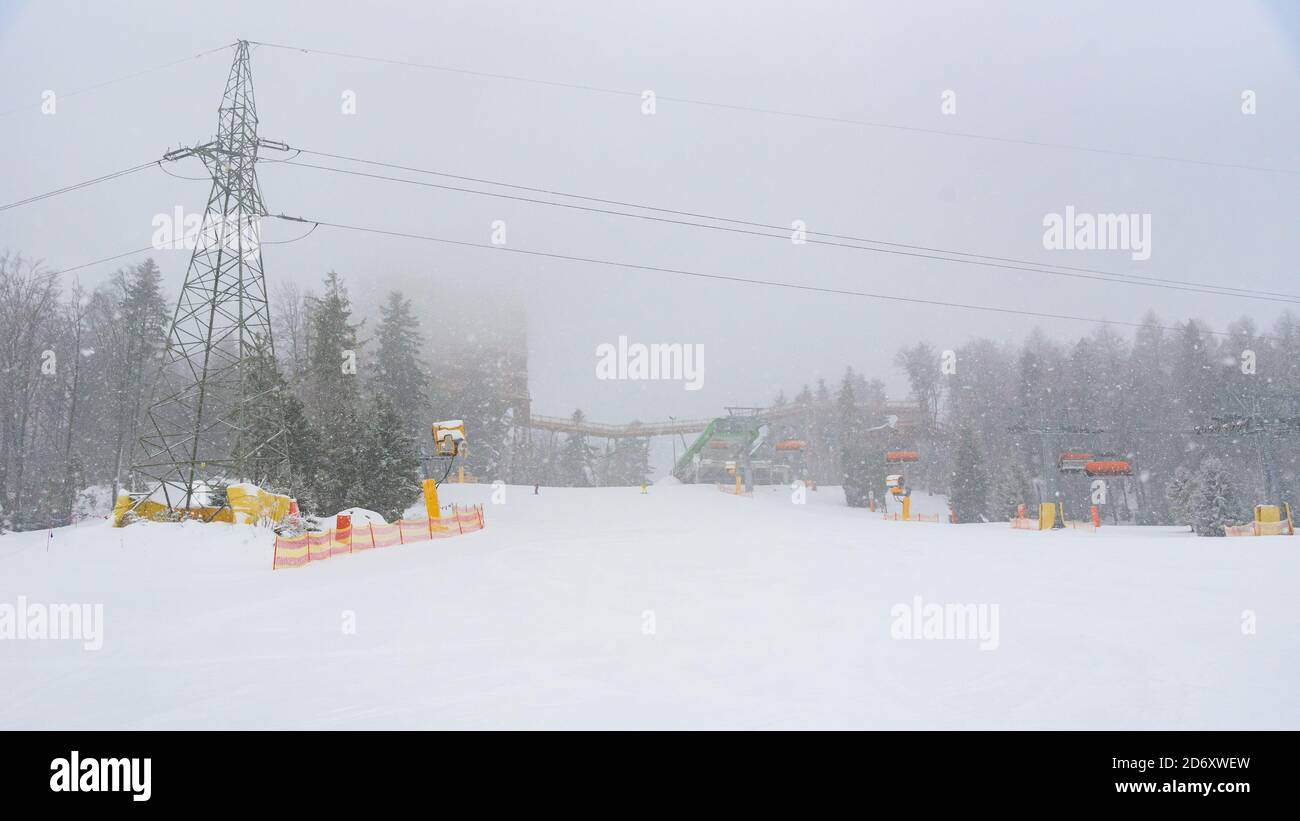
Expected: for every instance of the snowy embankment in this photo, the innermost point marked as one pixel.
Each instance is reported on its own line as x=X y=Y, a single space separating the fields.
x=683 y=607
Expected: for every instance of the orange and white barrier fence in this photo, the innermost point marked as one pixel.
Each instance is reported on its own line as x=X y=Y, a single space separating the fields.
x=913 y=517
x=305 y=548
x=1260 y=529
x=1270 y=520
x=736 y=490
x=1050 y=518
x=1023 y=523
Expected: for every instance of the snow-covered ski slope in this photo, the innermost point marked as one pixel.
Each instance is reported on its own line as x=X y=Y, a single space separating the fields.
x=681 y=608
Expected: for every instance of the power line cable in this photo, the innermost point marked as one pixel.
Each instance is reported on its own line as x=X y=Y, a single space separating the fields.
x=786 y=113
x=123 y=78
x=921 y=252
x=163 y=169
x=743 y=280
x=79 y=185
x=111 y=176
x=104 y=259
x=309 y=232
x=148 y=248
x=753 y=224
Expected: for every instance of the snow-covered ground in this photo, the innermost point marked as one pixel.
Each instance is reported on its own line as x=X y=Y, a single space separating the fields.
x=680 y=608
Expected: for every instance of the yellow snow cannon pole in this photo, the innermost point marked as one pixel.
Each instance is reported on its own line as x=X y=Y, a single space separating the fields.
x=1046 y=515
x=431 y=499
x=907 y=507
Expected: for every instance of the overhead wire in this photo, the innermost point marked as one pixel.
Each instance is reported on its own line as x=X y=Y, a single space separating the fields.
x=836 y=240
x=781 y=112
x=734 y=279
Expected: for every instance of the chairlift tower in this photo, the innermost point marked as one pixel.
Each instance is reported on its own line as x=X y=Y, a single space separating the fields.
x=1266 y=428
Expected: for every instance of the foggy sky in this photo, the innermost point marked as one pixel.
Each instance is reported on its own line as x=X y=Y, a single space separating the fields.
x=1160 y=78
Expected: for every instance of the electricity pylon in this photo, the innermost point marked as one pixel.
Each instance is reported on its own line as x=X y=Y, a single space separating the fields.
x=215 y=415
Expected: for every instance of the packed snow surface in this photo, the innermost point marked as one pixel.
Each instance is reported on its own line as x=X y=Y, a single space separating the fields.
x=679 y=608
x=360 y=516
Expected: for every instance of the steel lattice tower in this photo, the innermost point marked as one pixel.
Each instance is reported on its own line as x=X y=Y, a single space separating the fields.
x=215 y=415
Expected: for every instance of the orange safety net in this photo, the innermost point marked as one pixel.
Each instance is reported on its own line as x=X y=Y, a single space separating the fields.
x=296 y=551
x=731 y=489
x=915 y=517
x=1259 y=529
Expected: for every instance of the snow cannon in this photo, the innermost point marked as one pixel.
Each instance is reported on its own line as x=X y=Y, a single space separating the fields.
x=897 y=484
x=448 y=436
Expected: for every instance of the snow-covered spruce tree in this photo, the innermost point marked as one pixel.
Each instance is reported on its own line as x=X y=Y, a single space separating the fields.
x=130 y=317
x=277 y=405
x=333 y=401
x=921 y=364
x=1147 y=387
x=575 y=458
x=399 y=372
x=263 y=419
x=800 y=427
x=389 y=467
x=875 y=469
x=629 y=463
x=853 y=447
x=479 y=379
x=303 y=456
x=823 y=439
x=291 y=319
x=1011 y=488
x=338 y=466
x=1215 y=502
x=31 y=295
x=1180 y=493
x=968 y=492
x=331 y=372
x=1192 y=376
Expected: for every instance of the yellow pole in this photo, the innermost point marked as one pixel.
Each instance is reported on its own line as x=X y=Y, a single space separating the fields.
x=737 y=484
x=907 y=507
x=1047 y=516
x=460 y=474
x=431 y=499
